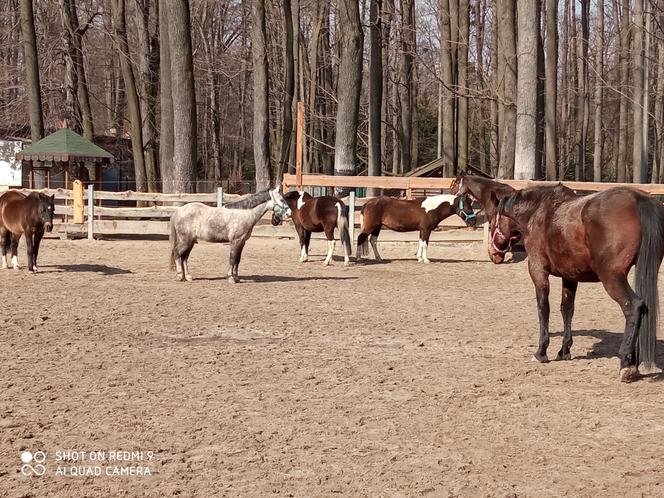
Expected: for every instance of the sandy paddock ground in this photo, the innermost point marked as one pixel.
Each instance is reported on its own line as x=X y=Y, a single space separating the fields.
x=395 y=379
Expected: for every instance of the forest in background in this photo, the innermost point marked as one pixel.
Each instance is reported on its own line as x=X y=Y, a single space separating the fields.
x=207 y=89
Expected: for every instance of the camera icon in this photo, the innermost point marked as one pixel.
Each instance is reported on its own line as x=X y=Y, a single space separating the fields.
x=33 y=464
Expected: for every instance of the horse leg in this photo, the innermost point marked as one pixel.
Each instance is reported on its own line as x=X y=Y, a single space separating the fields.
x=567 y=310
x=35 y=248
x=184 y=258
x=541 y=280
x=234 y=261
x=31 y=256
x=329 y=235
x=5 y=243
x=15 y=240
x=424 y=244
x=374 y=242
x=302 y=237
x=632 y=307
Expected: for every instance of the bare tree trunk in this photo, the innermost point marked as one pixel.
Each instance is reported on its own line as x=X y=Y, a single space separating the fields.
x=647 y=15
x=348 y=88
x=637 y=96
x=386 y=16
x=599 y=93
x=166 y=132
x=551 y=84
x=261 y=96
x=621 y=164
x=375 y=91
x=147 y=64
x=120 y=24
x=446 y=63
x=185 y=143
x=32 y=79
x=659 y=96
x=405 y=88
x=462 y=111
x=526 y=118
x=507 y=51
x=289 y=89
x=583 y=93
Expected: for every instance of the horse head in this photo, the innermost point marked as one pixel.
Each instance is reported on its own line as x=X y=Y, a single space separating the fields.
x=280 y=209
x=464 y=209
x=503 y=231
x=45 y=210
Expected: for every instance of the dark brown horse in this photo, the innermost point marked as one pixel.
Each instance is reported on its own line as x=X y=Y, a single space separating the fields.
x=593 y=238
x=480 y=189
x=408 y=215
x=318 y=214
x=29 y=215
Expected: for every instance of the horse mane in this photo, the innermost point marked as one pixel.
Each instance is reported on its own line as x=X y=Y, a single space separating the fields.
x=250 y=201
x=531 y=198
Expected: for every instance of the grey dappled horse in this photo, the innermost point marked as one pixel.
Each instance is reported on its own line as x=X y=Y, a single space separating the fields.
x=232 y=223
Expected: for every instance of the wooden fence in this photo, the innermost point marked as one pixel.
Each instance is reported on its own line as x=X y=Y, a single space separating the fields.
x=90 y=212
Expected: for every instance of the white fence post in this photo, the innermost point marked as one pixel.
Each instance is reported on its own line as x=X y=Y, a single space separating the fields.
x=351 y=214
x=91 y=211
x=220 y=196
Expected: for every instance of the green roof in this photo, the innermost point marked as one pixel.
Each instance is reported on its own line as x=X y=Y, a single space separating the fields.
x=64 y=145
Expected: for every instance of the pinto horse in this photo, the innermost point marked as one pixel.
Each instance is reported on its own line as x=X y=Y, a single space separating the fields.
x=408 y=215
x=593 y=238
x=318 y=214
x=30 y=215
x=481 y=190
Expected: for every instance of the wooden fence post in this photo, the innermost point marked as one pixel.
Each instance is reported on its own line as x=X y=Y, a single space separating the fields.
x=91 y=211
x=299 y=143
x=220 y=196
x=351 y=215
x=79 y=204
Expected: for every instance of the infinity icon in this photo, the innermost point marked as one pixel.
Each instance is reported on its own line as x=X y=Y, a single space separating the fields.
x=38 y=469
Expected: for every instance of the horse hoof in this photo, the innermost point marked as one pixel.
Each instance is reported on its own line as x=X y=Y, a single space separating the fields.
x=188 y=278
x=542 y=358
x=561 y=356
x=426 y=261
x=629 y=374
x=233 y=280
x=326 y=263
x=34 y=270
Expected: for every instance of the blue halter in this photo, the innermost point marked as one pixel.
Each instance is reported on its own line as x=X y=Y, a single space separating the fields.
x=465 y=216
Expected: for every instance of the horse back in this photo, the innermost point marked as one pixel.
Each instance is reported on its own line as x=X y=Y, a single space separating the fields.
x=13 y=208
x=396 y=214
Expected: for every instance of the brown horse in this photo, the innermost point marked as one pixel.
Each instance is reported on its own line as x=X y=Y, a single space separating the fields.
x=318 y=214
x=29 y=215
x=593 y=238
x=480 y=189
x=408 y=215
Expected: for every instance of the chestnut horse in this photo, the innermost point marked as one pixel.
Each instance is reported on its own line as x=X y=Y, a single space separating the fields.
x=318 y=214
x=408 y=215
x=29 y=215
x=593 y=238
x=480 y=189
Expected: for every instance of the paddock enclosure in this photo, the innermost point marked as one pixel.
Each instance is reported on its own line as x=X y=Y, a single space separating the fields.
x=392 y=379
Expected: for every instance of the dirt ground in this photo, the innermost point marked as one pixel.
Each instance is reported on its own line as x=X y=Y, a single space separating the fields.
x=395 y=379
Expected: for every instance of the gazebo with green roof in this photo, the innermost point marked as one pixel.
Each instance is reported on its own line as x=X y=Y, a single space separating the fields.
x=67 y=147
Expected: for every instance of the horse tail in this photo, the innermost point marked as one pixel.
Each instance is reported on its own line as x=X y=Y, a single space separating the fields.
x=649 y=258
x=343 y=224
x=363 y=244
x=173 y=239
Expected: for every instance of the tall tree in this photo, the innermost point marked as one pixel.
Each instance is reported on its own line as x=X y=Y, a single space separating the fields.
x=447 y=84
x=462 y=110
x=526 y=118
x=185 y=143
x=289 y=86
x=551 y=89
x=599 y=92
x=32 y=78
x=406 y=86
x=375 y=90
x=348 y=87
x=507 y=67
x=120 y=24
x=166 y=132
x=261 y=96
x=638 y=173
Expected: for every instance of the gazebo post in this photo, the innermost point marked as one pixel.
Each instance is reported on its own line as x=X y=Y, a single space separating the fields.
x=31 y=176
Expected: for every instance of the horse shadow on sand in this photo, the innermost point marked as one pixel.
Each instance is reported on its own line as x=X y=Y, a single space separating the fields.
x=608 y=345
x=275 y=278
x=87 y=268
